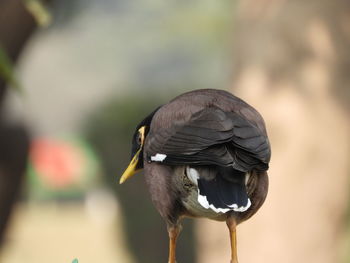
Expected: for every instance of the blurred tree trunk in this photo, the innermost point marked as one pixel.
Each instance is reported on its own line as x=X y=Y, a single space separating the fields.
x=16 y=25
x=292 y=61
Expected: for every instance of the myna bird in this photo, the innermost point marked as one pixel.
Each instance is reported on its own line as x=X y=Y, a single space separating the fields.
x=204 y=154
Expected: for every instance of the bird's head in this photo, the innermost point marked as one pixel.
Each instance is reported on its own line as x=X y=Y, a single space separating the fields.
x=138 y=140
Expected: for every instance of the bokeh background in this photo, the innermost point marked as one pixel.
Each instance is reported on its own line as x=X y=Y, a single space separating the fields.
x=77 y=76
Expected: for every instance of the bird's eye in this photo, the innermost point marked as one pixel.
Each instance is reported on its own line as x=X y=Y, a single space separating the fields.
x=139 y=139
x=141 y=135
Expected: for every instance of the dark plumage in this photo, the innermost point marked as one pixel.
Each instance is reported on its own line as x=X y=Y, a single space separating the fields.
x=205 y=154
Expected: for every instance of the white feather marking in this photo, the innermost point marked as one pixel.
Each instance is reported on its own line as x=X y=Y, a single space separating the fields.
x=159 y=157
x=202 y=200
x=242 y=208
x=193 y=175
x=219 y=210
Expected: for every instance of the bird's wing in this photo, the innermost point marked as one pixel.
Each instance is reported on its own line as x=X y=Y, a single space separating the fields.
x=211 y=136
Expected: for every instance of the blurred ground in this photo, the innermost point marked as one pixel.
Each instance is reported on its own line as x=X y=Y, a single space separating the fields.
x=58 y=233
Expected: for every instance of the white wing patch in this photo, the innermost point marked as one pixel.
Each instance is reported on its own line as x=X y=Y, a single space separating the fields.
x=159 y=157
x=242 y=208
x=202 y=199
x=193 y=176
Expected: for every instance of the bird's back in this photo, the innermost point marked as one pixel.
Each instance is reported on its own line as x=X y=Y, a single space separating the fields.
x=181 y=108
x=208 y=127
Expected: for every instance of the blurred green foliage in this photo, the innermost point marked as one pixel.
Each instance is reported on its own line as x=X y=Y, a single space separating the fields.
x=7 y=71
x=43 y=18
x=39 y=11
x=110 y=130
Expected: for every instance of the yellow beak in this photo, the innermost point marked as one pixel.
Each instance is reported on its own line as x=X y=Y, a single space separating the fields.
x=131 y=170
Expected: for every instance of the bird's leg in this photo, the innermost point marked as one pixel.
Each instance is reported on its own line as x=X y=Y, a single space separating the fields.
x=174 y=232
x=231 y=224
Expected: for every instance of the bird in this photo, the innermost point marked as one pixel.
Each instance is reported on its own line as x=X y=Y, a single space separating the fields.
x=205 y=153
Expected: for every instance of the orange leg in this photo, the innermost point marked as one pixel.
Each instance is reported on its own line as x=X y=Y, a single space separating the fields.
x=174 y=232
x=231 y=224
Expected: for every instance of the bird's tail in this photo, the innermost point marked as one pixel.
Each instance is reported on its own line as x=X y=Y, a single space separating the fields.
x=225 y=192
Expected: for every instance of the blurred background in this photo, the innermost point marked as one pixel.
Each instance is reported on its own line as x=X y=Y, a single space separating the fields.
x=77 y=76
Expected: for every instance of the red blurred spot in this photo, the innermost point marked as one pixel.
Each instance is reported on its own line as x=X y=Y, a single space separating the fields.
x=58 y=163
